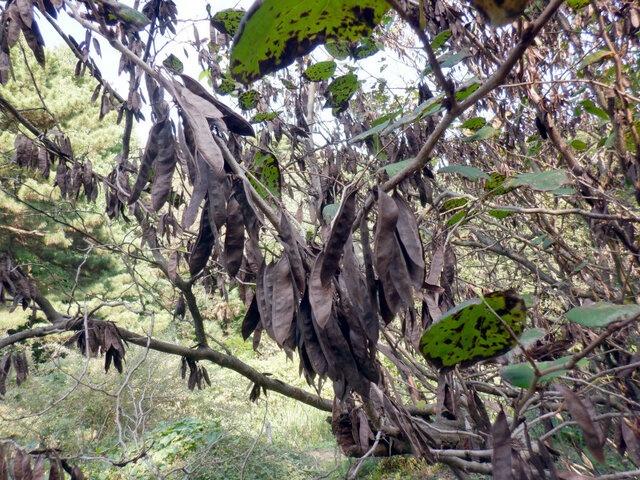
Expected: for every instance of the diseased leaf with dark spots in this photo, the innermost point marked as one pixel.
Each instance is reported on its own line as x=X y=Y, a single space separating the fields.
x=234 y=238
x=320 y=297
x=266 y=171
x=501 y=455
x=340 y=91
x=320 y=71
x=251 y=319
x=204 y=243
x=592 y=432
x=471 y=331
x=173 y=63
x=227 y=21
x=248 y=100
x=409 y=236
x=274 y=32
x=283 y=300
x=340 y=231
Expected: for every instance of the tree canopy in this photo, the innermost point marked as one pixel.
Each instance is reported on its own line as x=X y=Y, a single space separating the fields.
x=434 y=217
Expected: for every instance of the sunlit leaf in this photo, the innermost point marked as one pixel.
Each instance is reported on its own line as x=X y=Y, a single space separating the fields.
x=440 y=39
x=474 y=123
x=248 y=100
x=227 y=21
x=320 y=71
x=471 y=331
x=594 y=57
x=274 y=32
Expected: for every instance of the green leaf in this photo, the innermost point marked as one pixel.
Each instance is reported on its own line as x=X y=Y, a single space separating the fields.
x=485 y=132
x=453 y=203
x=495 y=185
x=429 y=107
x=531 y=335
x=267 y=171
x=578 y=4
x=594 y=57
x=340 y=91
x=372 y=131
x=467 y=90
x=339 y=50
x=457 y=219
x=288 y=84
x=275 y=32
x=579 y=144
x=448 y=61
x=173 y=63
x=471 y=331
x=393 y=168
x=367 y=47
x=132 y=16
x=226 y=87
x=320 y=71
x=440 y=39
x=522 y=374
x=593 y=110
x=543 y=181
x=500 y=214
x=602 y=314
x=474 y=123
x=329 y=212
x=227 y=21
x=472 y=173
x=263 y=117
x=248 y=100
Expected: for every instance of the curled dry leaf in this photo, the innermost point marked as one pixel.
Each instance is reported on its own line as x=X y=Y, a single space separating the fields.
x=501 y=456
x=340 y=231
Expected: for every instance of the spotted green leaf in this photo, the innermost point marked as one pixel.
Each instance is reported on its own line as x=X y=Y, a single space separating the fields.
x=131 y=16
x=226 y=87
x=471 y=331
x=173 y=63
x=340 y=91
x=467 y=90
x=227 y=21
x=543 y=181
x=454 y=203
x=320 y=71
x=263 y=117
x=602 y=314
x=275 y=32
x=499 y=214
x=248 y=100
x=367 y=47
x=495 y=186
x=339 y=50
x=267 y=173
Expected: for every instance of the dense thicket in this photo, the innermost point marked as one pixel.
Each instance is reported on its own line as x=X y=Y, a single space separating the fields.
x=437 y=217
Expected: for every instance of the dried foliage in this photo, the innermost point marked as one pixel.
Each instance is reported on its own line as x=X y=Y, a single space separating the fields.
x=427 y=214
